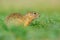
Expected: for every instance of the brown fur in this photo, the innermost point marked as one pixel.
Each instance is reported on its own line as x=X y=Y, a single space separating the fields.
x=18 y=19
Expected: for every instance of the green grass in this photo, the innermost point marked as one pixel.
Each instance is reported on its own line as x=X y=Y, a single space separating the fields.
x=47 y=26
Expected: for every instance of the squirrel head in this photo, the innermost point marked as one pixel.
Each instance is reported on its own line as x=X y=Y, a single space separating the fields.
x=33 y=15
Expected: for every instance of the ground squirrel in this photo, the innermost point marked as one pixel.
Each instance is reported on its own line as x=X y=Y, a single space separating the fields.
x=18 y=19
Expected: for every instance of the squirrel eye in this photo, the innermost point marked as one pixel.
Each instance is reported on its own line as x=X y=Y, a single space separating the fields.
x=34 y=13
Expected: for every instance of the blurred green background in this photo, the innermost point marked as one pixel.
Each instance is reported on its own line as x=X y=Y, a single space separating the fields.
x=46 y=27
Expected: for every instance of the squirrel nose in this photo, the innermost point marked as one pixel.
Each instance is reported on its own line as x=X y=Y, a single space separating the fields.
x=39 y=15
